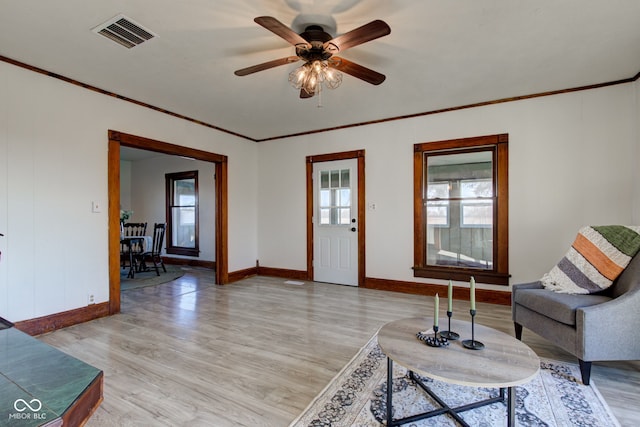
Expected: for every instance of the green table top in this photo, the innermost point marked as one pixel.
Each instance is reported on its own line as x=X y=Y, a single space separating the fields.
x=38 y=383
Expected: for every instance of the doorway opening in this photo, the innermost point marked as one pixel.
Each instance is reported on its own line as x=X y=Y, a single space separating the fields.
x=359 y=217
x=118 y=140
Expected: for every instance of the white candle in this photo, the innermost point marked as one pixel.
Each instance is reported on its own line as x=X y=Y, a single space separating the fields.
x=436 y=308
x=450 y=296
x=472 y=291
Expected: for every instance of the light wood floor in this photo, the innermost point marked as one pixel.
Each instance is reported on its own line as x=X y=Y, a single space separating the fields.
x=256 y=352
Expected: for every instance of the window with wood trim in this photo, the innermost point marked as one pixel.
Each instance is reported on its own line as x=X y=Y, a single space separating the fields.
x=182 y=213
x=461 y=206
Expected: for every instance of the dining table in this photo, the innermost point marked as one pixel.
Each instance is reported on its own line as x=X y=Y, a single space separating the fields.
x=143 y=242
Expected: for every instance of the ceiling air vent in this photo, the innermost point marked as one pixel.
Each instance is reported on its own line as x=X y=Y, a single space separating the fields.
x=124 y=31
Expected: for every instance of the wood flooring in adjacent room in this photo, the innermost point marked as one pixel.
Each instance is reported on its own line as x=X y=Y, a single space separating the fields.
x=256 y=352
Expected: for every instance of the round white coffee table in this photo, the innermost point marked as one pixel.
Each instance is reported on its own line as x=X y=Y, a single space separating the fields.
x=503 y=363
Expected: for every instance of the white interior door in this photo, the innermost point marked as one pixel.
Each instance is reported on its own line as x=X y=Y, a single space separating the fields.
x=335 y=227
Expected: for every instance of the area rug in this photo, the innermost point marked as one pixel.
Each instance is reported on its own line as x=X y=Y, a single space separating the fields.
x=150 y=278
x=357 y=397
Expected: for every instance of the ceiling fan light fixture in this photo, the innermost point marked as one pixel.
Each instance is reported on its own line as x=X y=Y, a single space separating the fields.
x=316 y=48
x=312 y=75
x=332 y=77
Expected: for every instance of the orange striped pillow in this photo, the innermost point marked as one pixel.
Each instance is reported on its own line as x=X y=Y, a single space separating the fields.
x=598 y=255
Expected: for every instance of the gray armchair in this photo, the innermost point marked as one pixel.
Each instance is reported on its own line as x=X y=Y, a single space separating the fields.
x=596 y=327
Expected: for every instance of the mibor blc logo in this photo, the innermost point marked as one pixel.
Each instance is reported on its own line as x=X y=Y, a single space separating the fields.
x=27 y=410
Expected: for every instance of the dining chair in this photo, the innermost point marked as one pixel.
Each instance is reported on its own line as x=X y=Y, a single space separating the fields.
x=135 y=229
x=131 y=250
x=154 y=255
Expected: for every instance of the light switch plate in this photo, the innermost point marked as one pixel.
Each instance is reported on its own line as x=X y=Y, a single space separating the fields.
x=96 y=207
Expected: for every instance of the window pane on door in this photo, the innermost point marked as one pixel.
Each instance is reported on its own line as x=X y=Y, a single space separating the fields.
x=335 y=197
x=344 y=178
x=324 y=179
x=325 y=198
x=335 y=179
x=345 y=197
x=345 y=216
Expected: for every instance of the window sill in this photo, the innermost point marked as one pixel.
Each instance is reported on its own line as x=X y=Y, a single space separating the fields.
x=183 y=251
x=462 y=274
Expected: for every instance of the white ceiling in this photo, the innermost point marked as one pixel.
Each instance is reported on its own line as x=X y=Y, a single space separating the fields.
x=440 y=54
x=135 y=154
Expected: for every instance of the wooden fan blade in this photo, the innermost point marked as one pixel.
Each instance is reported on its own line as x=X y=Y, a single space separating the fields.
x=351 y=68
x=363 y=34
x=266 y=65
x=304 y=94
x=279 y=29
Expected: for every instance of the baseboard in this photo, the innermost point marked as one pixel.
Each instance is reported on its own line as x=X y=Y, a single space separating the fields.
x=482 y=295
x=283 y=272
x=234 y=276
x=258 y=270
x=41 y=325
x=190 y=262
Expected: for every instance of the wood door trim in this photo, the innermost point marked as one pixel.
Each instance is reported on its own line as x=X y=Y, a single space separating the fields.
x=118 y=139
x=345 y=155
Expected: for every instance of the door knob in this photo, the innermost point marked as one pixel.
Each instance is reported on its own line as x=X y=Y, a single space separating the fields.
x=353 y=229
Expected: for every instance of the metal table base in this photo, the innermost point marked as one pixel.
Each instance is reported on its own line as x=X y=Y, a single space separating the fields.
x=445 y=409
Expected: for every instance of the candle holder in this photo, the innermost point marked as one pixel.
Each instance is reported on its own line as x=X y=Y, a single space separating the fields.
x=472 y=344
x=448 y=334
x=433 y=340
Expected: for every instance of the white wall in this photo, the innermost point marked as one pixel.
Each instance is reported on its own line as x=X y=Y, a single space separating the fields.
x=148 y=200
x=572 y=159
x=53 y=164
x=636 y=156
x=4 y=194
x=125 y=185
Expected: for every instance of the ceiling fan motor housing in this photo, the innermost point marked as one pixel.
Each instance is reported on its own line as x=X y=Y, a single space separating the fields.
x=317 y=37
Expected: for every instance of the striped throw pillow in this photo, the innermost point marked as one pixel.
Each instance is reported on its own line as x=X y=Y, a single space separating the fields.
x=596 y=258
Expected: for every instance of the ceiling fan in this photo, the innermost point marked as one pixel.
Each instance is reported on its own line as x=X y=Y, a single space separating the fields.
x=317 y=49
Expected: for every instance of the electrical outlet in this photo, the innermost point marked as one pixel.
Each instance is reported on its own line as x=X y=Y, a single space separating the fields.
x=90 y=299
